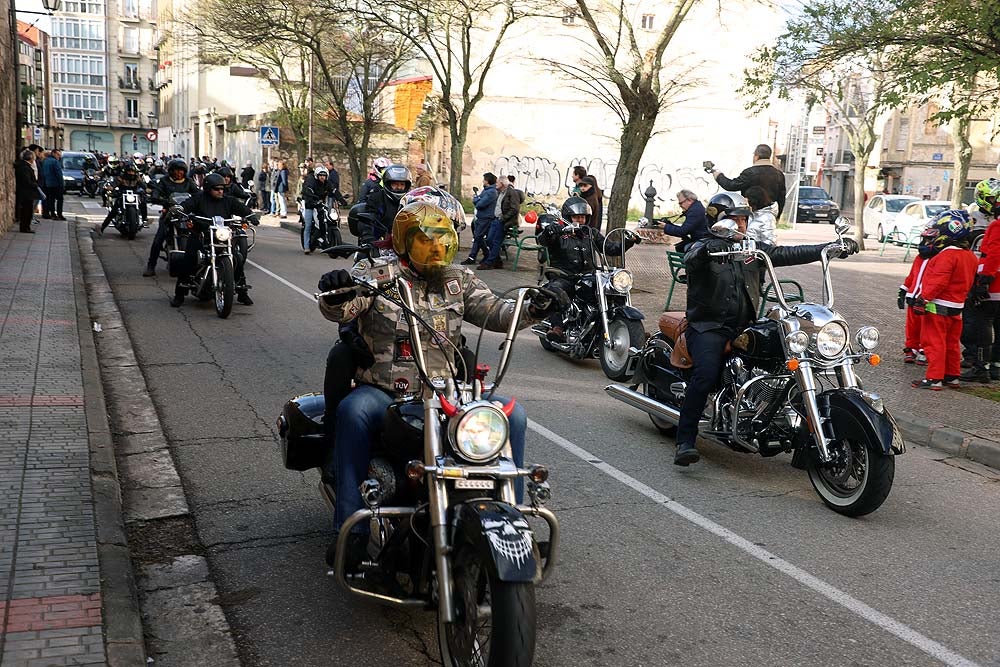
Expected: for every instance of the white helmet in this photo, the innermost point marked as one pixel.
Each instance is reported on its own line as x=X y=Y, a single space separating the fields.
x=381 y=163
x=138 y=157
x=320 y=171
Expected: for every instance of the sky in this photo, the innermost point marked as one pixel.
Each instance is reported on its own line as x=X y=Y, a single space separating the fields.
x=33 y=19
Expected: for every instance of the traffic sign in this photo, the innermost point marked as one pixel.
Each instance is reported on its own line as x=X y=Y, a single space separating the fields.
x=37 y=133
x=151 y=135
x=269 y=135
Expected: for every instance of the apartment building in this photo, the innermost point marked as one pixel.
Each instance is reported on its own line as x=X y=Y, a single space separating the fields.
x=34 y=115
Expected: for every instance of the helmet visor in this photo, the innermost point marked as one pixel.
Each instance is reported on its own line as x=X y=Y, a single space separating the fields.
x=432 y=243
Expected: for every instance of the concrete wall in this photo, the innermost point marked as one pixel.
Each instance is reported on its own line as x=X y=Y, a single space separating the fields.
x=8 y=131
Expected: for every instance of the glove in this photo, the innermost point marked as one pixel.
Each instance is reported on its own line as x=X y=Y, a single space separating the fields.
x=980 y=289
x=708 y=165
x=336 y=280
x=901 y=298
x=253 y=220
x=919 y=306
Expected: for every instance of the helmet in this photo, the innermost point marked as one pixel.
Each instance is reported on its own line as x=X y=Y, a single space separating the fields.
x=213 y=181
x=225 y=172
x=112 y=159
x=381 y=163
x=396 y=173
x=718 y=206
x=425 y=235
x=129 y=169
x=176 y=164
x=137 y=156
x=737 y=212
x=443 y=200
x=320 y=171
x=199 y=168
x=575 y=206
x=987 y=193
x=149 y=159
x=950 y=227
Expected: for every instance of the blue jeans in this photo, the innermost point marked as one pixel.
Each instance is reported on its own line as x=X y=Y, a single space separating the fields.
x=480 y=231
x=274 y=202
x=706 y=350
x=308 y=219
x=494 y=239
x=359 y=420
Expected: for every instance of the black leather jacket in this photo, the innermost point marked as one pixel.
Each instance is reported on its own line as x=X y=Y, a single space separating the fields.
x=375 y=221
x=725 y=294
x=570 y=250
x=163 y=188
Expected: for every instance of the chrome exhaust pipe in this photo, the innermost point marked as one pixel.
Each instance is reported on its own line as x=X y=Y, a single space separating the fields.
x=643 y=402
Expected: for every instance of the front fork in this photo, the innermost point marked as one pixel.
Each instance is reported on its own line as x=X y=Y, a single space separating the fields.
x=808 y=391
x=437 y=510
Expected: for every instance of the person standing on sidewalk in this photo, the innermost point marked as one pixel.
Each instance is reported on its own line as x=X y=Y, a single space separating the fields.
x=485 y=203
x=53 y=185
x=913 y=351
x=280 y=188
x=264 y=188
x=25 y=191
x=761 y=173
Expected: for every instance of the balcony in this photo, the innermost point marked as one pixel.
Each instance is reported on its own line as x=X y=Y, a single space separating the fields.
x=128 y=84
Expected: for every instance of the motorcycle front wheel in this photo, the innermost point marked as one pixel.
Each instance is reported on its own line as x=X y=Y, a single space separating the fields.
x=494 y=620
x=131 y=223
x=225 y=287
x=626 y=334
x=858 y=479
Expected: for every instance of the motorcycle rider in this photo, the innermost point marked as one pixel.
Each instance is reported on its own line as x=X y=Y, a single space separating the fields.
x=175 y=182
x=722 y=299
x=128 y=179
x=425 y=240
x=210 y=202
x=315 y=189
x=374 y=177
x=233 y=188
x=375 y=215
x=570 y=244
x=982 y=314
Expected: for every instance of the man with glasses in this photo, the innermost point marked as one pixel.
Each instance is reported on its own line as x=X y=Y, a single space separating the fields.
x=695 y=225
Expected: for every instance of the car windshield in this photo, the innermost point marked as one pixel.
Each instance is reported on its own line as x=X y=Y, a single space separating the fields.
x=935 y=209
x=896 y=205
x=77 y=162
x=813 y=193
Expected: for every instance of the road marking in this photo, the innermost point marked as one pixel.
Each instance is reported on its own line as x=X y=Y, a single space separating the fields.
x=887 y=623
x=832 y=593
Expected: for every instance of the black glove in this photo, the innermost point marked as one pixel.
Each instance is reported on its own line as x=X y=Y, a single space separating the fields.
x=336 y=280
x=980 y=289
x=850 y=247
x=253 y=220
x=708 y=165
x=901 y=298
x=919 y=306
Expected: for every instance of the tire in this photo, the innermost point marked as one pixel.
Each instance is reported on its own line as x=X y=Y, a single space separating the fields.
x=832 y=481
x=668 y=429
x=976 y=242
x=131 y=223
x=511 y=626
x=225 y=288
x=615 y=363
x=881 y=234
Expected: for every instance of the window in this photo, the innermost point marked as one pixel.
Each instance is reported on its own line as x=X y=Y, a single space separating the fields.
x=132 y=76
x=569 y=16
x=83 y=6
x=130 y=40
x=647 y=21
x=80 y=34
x=77 y=69
x=70 y=104
x=132 y=108
x=130 y=9
x=903 y=134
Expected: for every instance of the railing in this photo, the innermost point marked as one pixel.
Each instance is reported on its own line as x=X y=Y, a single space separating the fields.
x=129 y=84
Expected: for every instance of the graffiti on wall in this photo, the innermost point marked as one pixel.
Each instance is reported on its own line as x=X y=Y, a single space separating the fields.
x=537 y=175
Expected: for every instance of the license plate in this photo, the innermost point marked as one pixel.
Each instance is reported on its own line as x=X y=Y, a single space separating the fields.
x=473 y=483
x=821 y=215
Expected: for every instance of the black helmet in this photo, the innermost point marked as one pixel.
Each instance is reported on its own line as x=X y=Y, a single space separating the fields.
x=213 y=181
x=575 y=206
x=225 y=172
x=199 y=168
x=176 y=164
x=718 y=206
x=396 y=173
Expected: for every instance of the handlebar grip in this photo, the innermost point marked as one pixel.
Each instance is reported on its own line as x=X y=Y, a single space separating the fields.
x=334 y=292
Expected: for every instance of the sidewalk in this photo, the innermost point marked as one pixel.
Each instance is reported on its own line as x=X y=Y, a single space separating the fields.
x=61 y=591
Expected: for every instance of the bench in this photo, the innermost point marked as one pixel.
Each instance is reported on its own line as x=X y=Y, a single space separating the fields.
x=909 y=240
x=513 y=239
x=770 y=296
x=675 y=261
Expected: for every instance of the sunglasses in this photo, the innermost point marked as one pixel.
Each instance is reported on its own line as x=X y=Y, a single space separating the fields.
x=219 y=189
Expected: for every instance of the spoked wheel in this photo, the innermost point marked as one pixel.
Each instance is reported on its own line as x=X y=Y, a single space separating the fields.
x=624 y=335
x=665 y=427
x=225 y=287
x=859 y=477
x=494 y=620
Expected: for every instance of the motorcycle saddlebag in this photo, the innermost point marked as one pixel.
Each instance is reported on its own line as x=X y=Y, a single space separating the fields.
x=175 y=260
x=302 y=431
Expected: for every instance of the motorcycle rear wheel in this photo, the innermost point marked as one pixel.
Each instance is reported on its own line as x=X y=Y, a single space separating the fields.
x=225 y=287
x=666 y=428
x=495 y=620
x=627 y=334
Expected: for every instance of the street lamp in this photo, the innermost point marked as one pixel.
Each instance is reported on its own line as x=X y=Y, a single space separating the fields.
x=88 y=118
x=152 y=118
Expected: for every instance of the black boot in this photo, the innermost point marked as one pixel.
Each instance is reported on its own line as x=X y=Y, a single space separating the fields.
x=244 y=298
x=976 y=374
x=150 y=271
x=686 y=454
x=995 y=371
x=179 y=294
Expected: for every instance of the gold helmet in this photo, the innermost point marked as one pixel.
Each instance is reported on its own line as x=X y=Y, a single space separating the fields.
x=425 y=235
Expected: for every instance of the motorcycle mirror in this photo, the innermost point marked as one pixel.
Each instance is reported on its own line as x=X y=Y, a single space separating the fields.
x=841 y=225
x=342 y=250
x=726 y=229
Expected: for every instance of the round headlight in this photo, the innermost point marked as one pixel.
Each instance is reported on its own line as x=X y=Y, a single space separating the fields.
x=867 y=338
x=621 y=281
x=223 y=233
x=797 y=341
x=831 y=340
x=480 y=432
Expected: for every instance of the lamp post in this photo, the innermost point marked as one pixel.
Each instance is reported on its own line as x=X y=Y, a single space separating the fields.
x=89 y=118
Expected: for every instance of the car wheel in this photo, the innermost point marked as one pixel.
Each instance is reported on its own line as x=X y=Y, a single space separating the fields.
x=881 y=234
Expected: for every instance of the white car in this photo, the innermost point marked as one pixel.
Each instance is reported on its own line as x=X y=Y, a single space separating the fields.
x=915 y=216
x=880 y=211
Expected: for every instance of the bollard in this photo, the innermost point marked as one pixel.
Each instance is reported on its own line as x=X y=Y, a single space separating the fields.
x=650 y=196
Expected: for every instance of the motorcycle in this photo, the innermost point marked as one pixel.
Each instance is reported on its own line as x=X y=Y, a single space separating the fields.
x=128 y=222
x=446 y=532
x=107 y=190
x=325 y=230
x=214 y=276
x=91 y=184
x=788 y=385
x=600 y=322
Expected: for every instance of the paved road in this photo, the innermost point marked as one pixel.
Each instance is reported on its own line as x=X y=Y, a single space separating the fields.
x=743 y=565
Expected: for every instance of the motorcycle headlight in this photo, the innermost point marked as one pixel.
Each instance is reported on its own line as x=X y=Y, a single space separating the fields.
x=797 y=341
x=621 y=281
x=831 y=340
x=479 y=432
x=223 y=234
x=867 y=338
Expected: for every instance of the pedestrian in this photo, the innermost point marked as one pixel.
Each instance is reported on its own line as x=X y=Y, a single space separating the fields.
x=579 y=171
x=25 y=190
x=947 y=279
x=39 y=156
x=485 y=203
x=763 y=224
x=508 y=208
x=53 y=185
x=695 y=225
x=593 y=196
x=281 y=187
x=273 y=178
x=423 y=176
x=913 y=352
x=761 y=173
x=246 y=176
x=264 y=187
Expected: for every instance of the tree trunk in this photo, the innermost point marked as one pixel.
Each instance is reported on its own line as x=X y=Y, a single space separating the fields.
x=635 y=136
x=859 y=197
x=459 y=130
x=960 y=127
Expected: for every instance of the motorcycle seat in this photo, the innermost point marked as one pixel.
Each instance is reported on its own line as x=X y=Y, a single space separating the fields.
x=670 y=323
x=674 y=325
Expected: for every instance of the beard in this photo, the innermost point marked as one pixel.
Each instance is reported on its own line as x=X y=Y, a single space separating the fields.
x=434 y=275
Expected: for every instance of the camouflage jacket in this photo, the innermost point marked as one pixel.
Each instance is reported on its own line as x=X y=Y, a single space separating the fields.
x=384 y=328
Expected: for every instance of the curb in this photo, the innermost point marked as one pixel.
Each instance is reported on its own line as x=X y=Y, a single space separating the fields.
x=123 y=635
x=176 y=595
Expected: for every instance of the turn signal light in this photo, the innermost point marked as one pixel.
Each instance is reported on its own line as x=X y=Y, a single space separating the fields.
x=539 y=474
x=415 y=470
x=792 y=364
x=874 y=360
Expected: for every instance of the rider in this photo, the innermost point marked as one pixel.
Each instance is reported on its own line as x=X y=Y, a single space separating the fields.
x=128 y=179
x=315 y=189
x=982 y=316
x=425 y=240
x=380 y=206
x=570 y=244
x=374 y=177
x=233 y=188
x=722 y=299
x=175 y=182
x=209 y=203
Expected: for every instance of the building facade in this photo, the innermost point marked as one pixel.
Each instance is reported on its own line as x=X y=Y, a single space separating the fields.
x=35 y=121
x=9 y=145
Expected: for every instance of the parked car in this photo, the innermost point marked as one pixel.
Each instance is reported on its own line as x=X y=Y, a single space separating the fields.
x=880 y=212
x=74 y=164
x=916 y=215
x=815 y=205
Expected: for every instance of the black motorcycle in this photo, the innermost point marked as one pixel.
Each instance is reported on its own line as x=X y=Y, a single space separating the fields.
x=214 y=277
x=325 y=230
x=788 y=385
x=127 y=221
x=91 y=183
x=445 y=530
x=600 y=321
